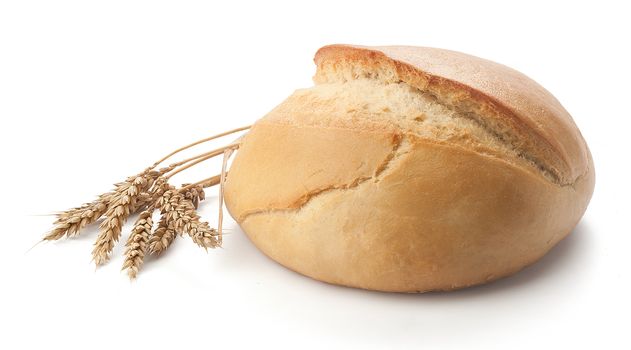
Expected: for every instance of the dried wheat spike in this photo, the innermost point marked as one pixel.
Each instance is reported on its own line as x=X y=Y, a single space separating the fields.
x=72 y=221
x=202 y=234
x=65 y=215
x=173 y=220
x=72 y=224
x=198 y=230
x=136 y=245
x=164 y=234
x=117 y=213
x=143 y=201
x=161 y=238
x=145 y=192
x=195 y=194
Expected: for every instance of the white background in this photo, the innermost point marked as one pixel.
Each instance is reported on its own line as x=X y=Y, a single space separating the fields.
x=91 y=92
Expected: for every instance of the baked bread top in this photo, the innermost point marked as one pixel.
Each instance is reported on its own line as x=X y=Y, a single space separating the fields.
x=514 y=109
x=369 y=105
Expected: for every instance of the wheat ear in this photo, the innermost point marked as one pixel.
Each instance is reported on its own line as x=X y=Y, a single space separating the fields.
x=164 y=234
x=136 y=245
x=194 y=193
x=178 y=210
x=162 y=238
x=71 y=222
x=199 y=231
x=117 y=213
x=147 y=191
x=74 y=222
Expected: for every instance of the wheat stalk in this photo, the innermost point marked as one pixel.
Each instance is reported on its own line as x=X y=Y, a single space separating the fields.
x=147 y=191
x=200 y=142
x=136 y=245
x=224 y=172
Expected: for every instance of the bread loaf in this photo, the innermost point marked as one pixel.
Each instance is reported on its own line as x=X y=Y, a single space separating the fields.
x=411 y=169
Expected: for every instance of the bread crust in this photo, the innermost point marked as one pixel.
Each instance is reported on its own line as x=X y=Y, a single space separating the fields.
x=499 y=92
x=367 y=205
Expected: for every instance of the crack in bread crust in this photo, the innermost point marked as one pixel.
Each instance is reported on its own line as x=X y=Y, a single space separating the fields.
x=400 y=148
x=406 y=108
x=502 y=138
x=498 y=139
x=532 y=141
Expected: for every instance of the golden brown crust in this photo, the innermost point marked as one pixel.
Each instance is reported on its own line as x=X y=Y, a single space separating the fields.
x=284 y=166
x=500 y=92
x=365 y=204
x=438 y=218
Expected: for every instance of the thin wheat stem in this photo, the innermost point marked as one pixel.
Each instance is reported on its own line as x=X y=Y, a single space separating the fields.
x=226 y=156
x=210 y=155
x=199 y=142
x=220 y=149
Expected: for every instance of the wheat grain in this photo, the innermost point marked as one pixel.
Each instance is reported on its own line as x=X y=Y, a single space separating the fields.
x=143 y=201
x=194 y=193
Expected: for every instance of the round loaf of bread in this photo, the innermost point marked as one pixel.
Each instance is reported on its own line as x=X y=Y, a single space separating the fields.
x=410 y=169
